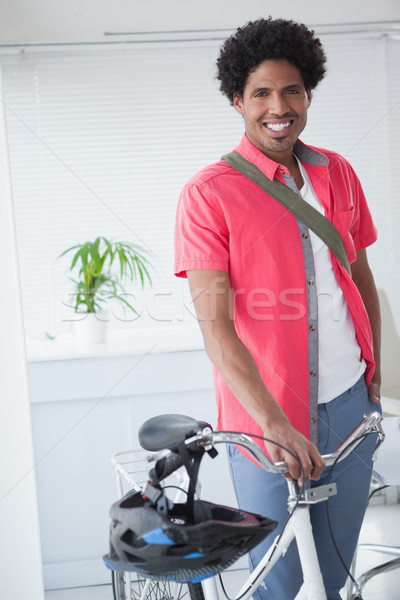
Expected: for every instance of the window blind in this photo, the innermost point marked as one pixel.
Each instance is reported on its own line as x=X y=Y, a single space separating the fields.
x=103 y=137
x=101 y=142
x=356 y=111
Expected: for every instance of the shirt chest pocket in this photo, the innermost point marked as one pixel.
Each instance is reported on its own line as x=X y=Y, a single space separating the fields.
x=343 y=220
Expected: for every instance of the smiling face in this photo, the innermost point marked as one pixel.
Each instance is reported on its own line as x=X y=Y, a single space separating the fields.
x=274 y=107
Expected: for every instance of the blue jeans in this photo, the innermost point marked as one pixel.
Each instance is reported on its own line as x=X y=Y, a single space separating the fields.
x=266 y=494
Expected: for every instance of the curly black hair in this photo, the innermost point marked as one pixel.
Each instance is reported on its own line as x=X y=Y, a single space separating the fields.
x=269 y=39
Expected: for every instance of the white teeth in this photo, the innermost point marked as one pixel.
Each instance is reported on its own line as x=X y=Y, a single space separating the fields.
x=277 y=126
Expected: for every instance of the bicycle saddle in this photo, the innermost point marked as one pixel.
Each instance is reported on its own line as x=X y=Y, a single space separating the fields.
x=168 y=431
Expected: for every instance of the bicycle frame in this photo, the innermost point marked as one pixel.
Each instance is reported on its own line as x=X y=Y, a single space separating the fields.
x=299 y=528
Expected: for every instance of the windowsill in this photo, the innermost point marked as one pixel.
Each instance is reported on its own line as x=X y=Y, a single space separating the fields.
x=119 y=343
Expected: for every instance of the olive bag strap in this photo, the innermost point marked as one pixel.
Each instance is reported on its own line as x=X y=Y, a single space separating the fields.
x=294 y=203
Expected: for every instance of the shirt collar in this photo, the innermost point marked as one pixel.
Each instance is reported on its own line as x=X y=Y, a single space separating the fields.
x=306 y=154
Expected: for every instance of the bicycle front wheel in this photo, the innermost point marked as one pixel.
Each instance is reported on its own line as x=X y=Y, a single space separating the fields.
x=130 y=586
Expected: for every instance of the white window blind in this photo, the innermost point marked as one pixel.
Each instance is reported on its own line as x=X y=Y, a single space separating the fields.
x=102 y=138
x=356 y=111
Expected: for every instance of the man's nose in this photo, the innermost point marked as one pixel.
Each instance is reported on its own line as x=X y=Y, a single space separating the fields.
x=277 y=104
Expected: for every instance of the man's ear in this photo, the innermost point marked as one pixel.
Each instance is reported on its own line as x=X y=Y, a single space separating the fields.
x=309 y=96
x=238 y=104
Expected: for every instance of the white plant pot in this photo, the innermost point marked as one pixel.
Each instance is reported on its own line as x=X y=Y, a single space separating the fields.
x=91 y=328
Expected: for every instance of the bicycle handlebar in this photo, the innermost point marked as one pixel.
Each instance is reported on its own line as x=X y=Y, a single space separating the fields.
x=166 y=466
x=207 y=438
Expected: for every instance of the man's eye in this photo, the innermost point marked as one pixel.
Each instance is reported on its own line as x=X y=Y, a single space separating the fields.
x=260 y=94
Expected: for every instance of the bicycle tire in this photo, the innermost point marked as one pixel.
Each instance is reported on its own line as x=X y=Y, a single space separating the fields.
x=130 y=586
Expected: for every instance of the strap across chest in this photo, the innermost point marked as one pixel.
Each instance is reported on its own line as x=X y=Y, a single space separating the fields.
x=294 y=203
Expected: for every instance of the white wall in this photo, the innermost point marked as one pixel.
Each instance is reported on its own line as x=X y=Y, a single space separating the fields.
x=83 y=411
x=72 y=20
x=19 y=525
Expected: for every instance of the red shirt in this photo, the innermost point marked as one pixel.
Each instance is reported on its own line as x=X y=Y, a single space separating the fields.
x=225 y=222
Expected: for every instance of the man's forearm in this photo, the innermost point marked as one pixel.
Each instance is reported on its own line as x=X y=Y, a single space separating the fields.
x=240 y=372
x=211 y=293
x=371 y=302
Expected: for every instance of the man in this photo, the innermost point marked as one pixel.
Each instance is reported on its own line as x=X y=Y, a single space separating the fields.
x=294 y=339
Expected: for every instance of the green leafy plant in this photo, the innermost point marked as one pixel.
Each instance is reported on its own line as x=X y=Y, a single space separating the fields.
x=98 y=282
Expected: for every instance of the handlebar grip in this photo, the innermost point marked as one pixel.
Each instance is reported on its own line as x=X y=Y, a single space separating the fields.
x=166 y=466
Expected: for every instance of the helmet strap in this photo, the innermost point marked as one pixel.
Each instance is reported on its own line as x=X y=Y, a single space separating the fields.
x=154 y=494
x=191 y=461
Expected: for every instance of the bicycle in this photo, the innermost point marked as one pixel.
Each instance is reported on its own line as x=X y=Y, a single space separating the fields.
x=174 y=438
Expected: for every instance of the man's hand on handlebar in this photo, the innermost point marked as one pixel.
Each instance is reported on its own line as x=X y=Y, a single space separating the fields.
x=306 y=452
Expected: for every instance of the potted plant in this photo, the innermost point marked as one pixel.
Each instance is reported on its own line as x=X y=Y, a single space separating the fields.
x=102 y=268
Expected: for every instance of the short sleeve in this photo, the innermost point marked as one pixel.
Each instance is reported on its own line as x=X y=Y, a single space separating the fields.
x=362 y=229
x=201 y=233
x=351 y=215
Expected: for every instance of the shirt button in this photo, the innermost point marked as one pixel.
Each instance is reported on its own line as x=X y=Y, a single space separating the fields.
x=282 y=171
x=305 y=236
x=312 y=328
x=313 y=420
x=311 y=282
x=313 y=373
